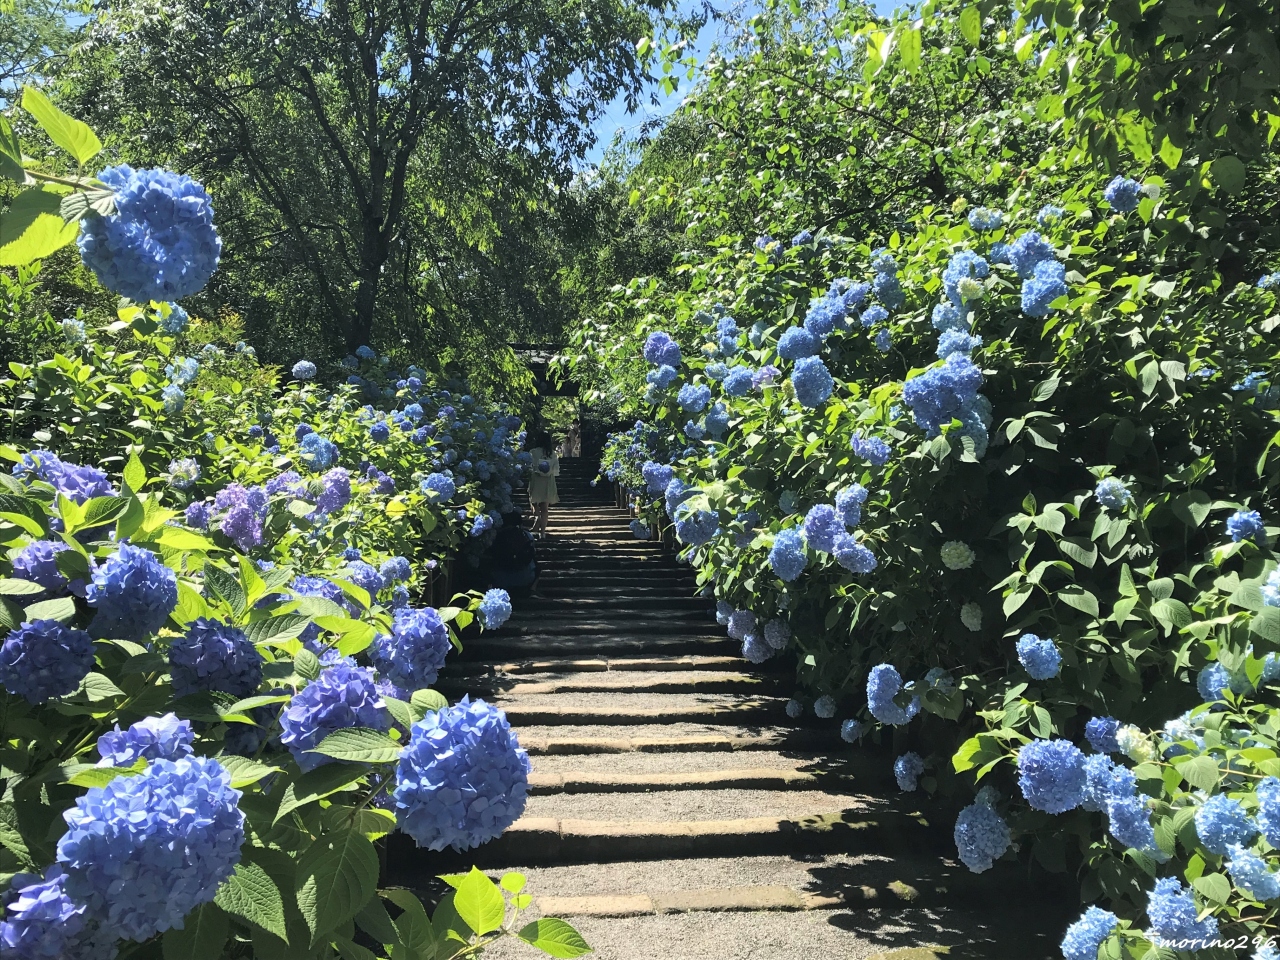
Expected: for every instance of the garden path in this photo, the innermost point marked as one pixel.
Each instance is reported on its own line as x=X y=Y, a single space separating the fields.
x=675 y=811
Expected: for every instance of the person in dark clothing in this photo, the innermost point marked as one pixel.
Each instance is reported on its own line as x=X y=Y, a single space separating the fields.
x=511 y=560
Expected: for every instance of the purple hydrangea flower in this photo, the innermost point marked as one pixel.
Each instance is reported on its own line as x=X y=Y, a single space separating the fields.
x=335 y=491
x=242 y=512
x=37 y=562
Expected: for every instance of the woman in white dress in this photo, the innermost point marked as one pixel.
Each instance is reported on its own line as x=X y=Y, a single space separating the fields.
x=545 y=468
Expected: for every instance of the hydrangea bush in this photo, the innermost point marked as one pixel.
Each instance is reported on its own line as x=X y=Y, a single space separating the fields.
x=215 y=654
x=1066 y=458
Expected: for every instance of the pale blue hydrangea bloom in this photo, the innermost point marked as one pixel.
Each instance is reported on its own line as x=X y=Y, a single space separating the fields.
x=787 y=555
x=872 y=449
x=825 y=707
x=906 y=770
x=796 y=343
x=1123 y=194
x=812 y=381
x=151 y=738
x=981 y=836
x=821 y=527
x=852 y=555
x=1173 y=913
x=1051 y=775
x=1245 y=525
x=883 y=685
x=1039 y=657
x=1251 y=874
x=1101 y=734
x=1084 y=937
x=984 y=219
x=1112 y=494
x=1222 y=822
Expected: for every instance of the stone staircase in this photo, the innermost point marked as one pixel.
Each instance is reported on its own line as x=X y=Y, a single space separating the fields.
x=675 y=811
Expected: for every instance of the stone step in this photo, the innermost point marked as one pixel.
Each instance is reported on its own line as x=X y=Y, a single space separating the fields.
x=622 y=681
x=633 y=709
x=664 y=642
x=619 y=590
x=673 y=737
x=457 y=668
x=535 y=839
x=860 y=767
x=743 y=778
x=654 y=626
x=618 y=604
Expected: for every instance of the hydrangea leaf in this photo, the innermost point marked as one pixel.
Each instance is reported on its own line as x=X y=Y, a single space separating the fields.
x=72 y=135
x=203 y=934
x=359 y=745
x=425 y=701
x=317 y=784
x=479 y=902
x=554 y=937
x=252 y=894
x=32 y=228
x=336 y=876
x=19 y=588
x=245 y=771
x=277 y=630
x=412 y=928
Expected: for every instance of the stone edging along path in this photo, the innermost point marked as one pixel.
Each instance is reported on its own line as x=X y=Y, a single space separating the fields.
x=675 y=812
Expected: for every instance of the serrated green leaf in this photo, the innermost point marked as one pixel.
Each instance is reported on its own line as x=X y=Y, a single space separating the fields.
x=62 y=609
x=1214 y=886
x=412 y=927
x=19 y=588
x=971 y=25
x=279 y=629
x=337 y=875
x=1201 y=773
x=317 y=784
x=251 y=894
x=135 y=474
x=72 y=135
x=554 y=937
x=479 y=902
x=32 y=228
x=359 y=745
x=204 y=933
x=244 y=771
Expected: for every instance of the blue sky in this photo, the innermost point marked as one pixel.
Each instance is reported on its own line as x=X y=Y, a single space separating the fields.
x=616 y=117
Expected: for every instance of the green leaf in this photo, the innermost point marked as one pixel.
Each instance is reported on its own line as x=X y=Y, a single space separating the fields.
x=277 y=629
x=245 y=771
x=1192 y=507
x=512 y=882
x=1266 y=624
x=306 y=664
x=190 y=605
x=204 y=933
x=62 y=609
x=355 y=639
x=971 y=25
x=910 y=48
x=11 y=835
x=250 y=893
x=96 y=687
x=19 y=588
x=359 y=745
x=427 y=701
x=401 y=712
x=374 y=920
x=10 y=154
x=1170 y=153
x=135 y=474
x=72 y=135
x=1214 y=886
x=479 y=902
x=32 y=228
x=554 y=937
x=1201 y=772
x=1171 y=611
x=103 y=510
x=337 y=875
x=1228 y=173
x=350 y=950
x=88 y=775
x=1080 y=598
x=319 y=783
x=413 y=928
x=224 y=586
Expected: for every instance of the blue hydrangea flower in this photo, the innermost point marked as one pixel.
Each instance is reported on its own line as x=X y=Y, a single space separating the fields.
x=43 y=923
x=412 y=656
x=1128 y=818
x=741 y=623
x=787 y=556
x=1086 y=935
x=716 y=370
x=796 y=343
x=852 y=555
x=777 y=633
x=144 y=851
x=656 y=476
x=379 y=431
x=175 y=321
x=882 y=261
x=462 y=778
x=495 y=609
x=812 y=381
x=1028 y=250
x=197 y=514
x=1123 y=194
x=957 y=341
x=963 y=265
x=906 y=770
x=849 y=503
x=304 y=370
x=851 y=731
x=1112 y=494
x=183 y=473
x=1251 y=874
x=1173 y=912
x=183 y=371
x=888 y=289
x=342 y=696
x=364 y=576
x=724 y=610
x=717 y=420
x=366 y=352
x=695 y=527
x=160 y=244
x=662 y=377
x=676 y=493
x=694 y=430
x=1051 y=775
x=821 y=527
x=1245 y=525
x=439 y=488
x=872 y=315
x=1268 y=815
x=750 y=520
x=794 y=709
x=133 y=594
x=755 y=649
x=73 y=482
x=1046 y=284
x=1222 y=822
x=1101 y=734
x=660 y=349
x=883 y=340
x=393 y=570
x=764 y=378
x=214 y=656
x=151 y=738
x=693 y=398
x=943 y=393
x=824 y=315
x=1049 y=215
x=317 y=453
x=44 y=659
x=981 y=836
x=801 y=238
x=883 y=685
x=1039 y=657
x=824 y=708
x=1269 y=281
x=1213 y=682
x=872 y=449
x=984 y=219
x=243 y=510
x=37 y=563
